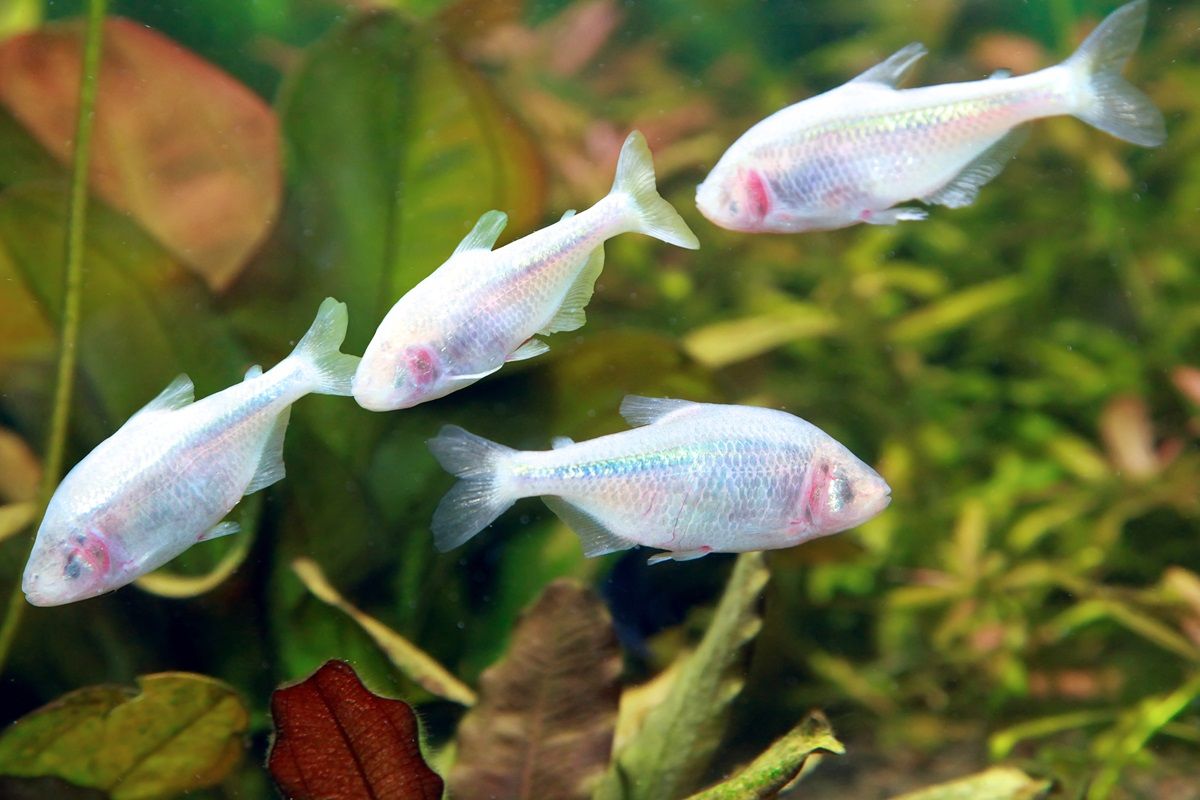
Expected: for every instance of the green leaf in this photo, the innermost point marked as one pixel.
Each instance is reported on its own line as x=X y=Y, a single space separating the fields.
x=17 y=16
x=956 y=310
x=396 y=147
x=997 y=783
x=779 y=765
x=178 y=732
x=667 y=757
x=723 y=343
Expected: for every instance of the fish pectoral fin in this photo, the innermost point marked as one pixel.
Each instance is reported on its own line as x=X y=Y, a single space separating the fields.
x=964 y=187
x=570 y=212
x=485 y=233
x=1000 y=75
x=892 y=70
x=179 y=393
x=217 y=531
x=638 y=410
x=531 y=349
x=679 y=555
x=459 y=381
x=595 y=538
x=561 y=441
x=890 y=216
x=252 y=373
x=570 y=315
x=270 y=462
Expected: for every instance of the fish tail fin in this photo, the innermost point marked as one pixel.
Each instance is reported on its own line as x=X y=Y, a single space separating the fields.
x=483 y=491
x=328 y=369
x=1106 y=100
x=653 y=215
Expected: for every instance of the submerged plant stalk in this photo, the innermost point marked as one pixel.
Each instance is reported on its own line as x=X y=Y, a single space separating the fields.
x=68 y=342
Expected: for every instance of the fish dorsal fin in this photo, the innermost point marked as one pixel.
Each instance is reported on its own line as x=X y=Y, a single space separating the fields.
x=485 y=233
x=252 y=373
x=595 y=538
x=531 y=349
x=570 y=315
x=638 y=410
x=570 y=212
x=179 y=393
x=559 y=442
x=964 y=187
x=1000 y=75
x=270 y=462
x=892 y=70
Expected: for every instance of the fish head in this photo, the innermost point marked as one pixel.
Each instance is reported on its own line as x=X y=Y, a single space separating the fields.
x=69 y=562
x=737 y=198
x=392 y=378
x=842 y=492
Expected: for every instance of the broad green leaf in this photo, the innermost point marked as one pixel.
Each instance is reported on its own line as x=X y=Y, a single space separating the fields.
x=543 y=727
x=408 y=658
x=997 y=783
x=186 y=150
x=779 y=765
x=395 y=149
x=15 y=517
x=723 y=343
x=669 y=754
x=20 y=469
x=18 y=16
x=178 y=731
x=957 y=310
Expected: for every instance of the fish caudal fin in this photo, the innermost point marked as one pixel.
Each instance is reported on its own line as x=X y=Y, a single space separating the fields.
x=654 y=215
x=329 y=370
x=1107 y=100
x=482 y=493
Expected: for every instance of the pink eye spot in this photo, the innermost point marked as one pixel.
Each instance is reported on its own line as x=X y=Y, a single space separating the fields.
x=756 y=195
x=422 y=365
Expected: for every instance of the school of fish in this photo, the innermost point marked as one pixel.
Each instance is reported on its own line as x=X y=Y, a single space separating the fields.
x=690 y=478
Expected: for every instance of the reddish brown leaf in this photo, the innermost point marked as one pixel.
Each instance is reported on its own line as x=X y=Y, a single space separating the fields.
x=337 y=740
x=543 y=726
x=181 y=146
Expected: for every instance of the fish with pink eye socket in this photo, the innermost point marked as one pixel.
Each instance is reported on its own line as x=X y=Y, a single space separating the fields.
x=167 y=477
x=854 y=153
x=483 y=308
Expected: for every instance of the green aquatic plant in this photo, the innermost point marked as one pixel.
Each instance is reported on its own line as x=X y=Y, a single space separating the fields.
x=1025 y=616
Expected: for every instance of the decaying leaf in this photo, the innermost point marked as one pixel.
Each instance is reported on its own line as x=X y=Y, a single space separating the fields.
x=997 y=783
x=638 y=701
x=1129 y=438
x=779 y=765
x=543 y=727
x=408 y=658
x=180 y=145
x=337 y=740
x=667 y=757
x=15 y=517
x=178 y=732
x=20 y=469
x=12 y=788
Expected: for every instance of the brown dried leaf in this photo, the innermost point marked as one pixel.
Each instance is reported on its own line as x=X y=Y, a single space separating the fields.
x=181 y=146
x=337 y=740
x=1129 y=437
x=20 y=469
x=543 y=727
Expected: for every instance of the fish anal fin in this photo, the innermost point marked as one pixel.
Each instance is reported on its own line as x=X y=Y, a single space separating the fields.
x=559 y=442
x=570 y=212
x=255 y=371
x=638 y=410
x=596 y=539
x=485 y=233
x=570 y=315
x=1000 y=74
x=270 y=463
x=964 y=187
x=892 y=70
x=531 y=349
x=226 y=528
x=679 y=555
x=179 y=393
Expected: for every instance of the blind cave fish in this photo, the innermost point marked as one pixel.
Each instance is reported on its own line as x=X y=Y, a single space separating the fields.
x=692 y=479
x=484 y=307
x=854 y=153
x=170 y=474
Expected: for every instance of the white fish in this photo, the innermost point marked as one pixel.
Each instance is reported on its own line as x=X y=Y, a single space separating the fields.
x=483 y=307
x=851 y=154
x=170 y=474
x=698 y=478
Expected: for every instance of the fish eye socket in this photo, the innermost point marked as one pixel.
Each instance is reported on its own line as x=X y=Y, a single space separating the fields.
x=74 y=566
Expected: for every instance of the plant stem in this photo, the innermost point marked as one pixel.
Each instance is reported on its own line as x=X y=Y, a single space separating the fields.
x=72 y=295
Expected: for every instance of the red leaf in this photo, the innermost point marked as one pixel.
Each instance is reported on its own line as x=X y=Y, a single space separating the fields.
x=337 y=740
x=179 y=145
